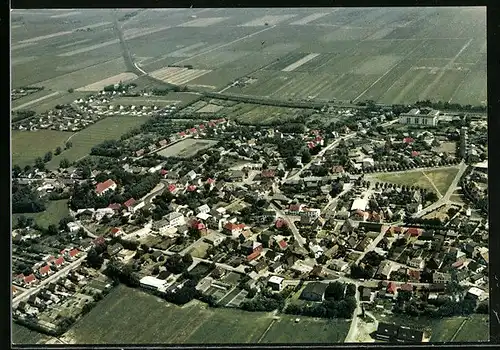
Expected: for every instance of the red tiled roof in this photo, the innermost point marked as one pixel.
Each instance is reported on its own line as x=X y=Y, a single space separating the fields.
x=45 y=269
x=391 y=287
x=74 y=252
x=413 y=231
x=457 y=263
x=267 y=173
x=318 y=138
x=163 y=172
x=191 y=188
x=29 y=279
x=129 y=203
x=253 y=255
x=115 y=230
x=232 y=227
x=407 y=287
x=408 y=140
x=99 y=240
x=193 y=130
x=171 y=188
x=210 y=181
x=280 y=223
x=202 y=126
x=397 y=229
x=283 y=244
x=311 y=145
x=182 y=133
x=59 y=261
x=211 y=124
x=414 y=153
x=115 y=206
x=415 y=274
x=294 y=207
x=103 y=186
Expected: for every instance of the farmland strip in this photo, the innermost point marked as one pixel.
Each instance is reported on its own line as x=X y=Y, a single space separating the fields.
x=300 y=62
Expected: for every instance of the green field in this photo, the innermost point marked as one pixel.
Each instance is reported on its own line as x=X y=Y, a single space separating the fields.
x=61 y=99
x=410 y=178
x=442 y=178
x=307 y=330
x=476 y=327
x=109 y=128
x=23 y=335
x=26 y=145
x=131 y=316
x=56 y=210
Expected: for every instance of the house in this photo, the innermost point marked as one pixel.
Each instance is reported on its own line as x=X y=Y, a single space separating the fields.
x=275 y=282
x=384 y=270
x=391 y=288
x=58 y=262
x=475 y=292
x=73 y=227
x=317 y=250
x=423 y=116
x=104 y=187
x=314 y=291
x=261 y=266
x=250 y=247
x=29 y=280
x=417 y=263
x=367 y=295
x=477 y=278
x=203 y=209
x=413 y=276
x=161 y=226
x=364 y=244
x=129 y=205
x=214 y=238
x=440 y=277
x=244 y=235
x=233 y=229
x=45 y=271
x=281 y=244
x=339 y=265
x=394 y=333
x=114 y=249
x=115 y=206
x=175 y=219
x=116 y=232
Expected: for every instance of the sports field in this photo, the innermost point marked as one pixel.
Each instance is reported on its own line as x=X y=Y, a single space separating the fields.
x=131 y=316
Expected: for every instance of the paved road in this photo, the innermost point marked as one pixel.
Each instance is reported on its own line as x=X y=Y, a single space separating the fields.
x=353 y=329
x=296 y=234
x=54 y=277
x=446 y=198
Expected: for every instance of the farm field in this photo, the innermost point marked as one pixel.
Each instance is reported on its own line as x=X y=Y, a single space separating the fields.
x=160 y=101
x=58 y=98
x=26 y=101
x=24 y=335
x=100 y=85
x=109 y=128
x=56 y=210
x=124 y=308
x=186 y=148
x=308 y=330
x=262 y=115
x=26 y=144
x=445 y=329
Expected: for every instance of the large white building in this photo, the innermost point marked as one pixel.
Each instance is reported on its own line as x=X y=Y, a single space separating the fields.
x=424 y=117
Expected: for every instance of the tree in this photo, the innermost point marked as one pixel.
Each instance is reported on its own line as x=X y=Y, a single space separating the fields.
x=306 y=157
x=335 y=291
x=71 y=90
x=47 y=157
x=58 y=151
x=52 y=230
x=39 y=163
x=68 y=145
x=64 y=163
x=187 y=259
x=16 y=170
x=94 y=260
x=22 y=221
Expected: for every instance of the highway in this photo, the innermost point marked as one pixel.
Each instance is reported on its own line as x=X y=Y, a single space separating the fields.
x=64 y=271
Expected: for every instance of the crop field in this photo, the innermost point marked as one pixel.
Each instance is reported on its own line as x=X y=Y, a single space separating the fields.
x=24 y=335
x=52 y=100
x=178 y=76
x=149 y=319
x=307 y=330
x=186 y=148
x=109 y=128
x=55 y=211
x=260 y=115
x=100 y=85
x=476 y=328
x=32 y=99
x=26 y=144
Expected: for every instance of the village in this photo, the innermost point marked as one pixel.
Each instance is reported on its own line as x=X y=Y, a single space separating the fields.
x=235 y=215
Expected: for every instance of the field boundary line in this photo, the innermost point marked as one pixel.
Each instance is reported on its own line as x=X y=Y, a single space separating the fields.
x=432 y=183
x=459 y=328
x=265 y=332
x=459 y=85
x=388 y=71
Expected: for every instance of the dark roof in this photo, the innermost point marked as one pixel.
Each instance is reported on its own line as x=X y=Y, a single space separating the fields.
x=409 y=334
x=317 y=288
x=164 y=275
x=387 y=329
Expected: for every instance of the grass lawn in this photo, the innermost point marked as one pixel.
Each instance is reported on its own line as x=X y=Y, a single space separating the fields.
x=442 y=178
x=476 y=328
x=24 y=335
x=28 y=145
x=129 y=315
x=56 y=210
x=109 y=128
x=410 y=178
x=308 y=330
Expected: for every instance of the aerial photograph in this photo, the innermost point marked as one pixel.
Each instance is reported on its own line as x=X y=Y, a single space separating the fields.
x=249 y=176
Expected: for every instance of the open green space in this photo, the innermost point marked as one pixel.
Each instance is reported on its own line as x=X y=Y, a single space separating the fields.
x=56 y=210
x=132 y=316
x=410 y=178
x=28 y=145
x=442 y=178
x=110 y=128
x=307 y=330
x=476 y=328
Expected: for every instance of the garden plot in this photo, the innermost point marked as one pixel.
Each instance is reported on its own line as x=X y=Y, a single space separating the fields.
x=377 y=64
x=284 y=62
x=203 y=22
x=210 y=108
x=178 y=76
x=100 y=85
x=267 y=20
x=310 y=18
x=89 y=48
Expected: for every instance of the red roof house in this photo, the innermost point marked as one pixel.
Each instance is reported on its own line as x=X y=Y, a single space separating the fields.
x=391 y=288
x=267 y=174
x=253 y=255
x=115 y=231
x=140 y=152
x=45 y=270
x=210 y=181
x=233 y=228
x=193 y=130
x=129 y=203
x=407 y=287
x=211 y=124
x=408 y=140
x=280 y=223
x=59 y=261
x=191 y=188
x=105 y=186
x=413 y=231
x=163 y=172
x=171 y=188
x=163 y=142
x=282 y=244
x=414 y=153
x=182 y=133
x=74 y=252
x=115 y=206
x=202 y=126
x=99 y=241
x=30 y=279
x=295 y=207
x=414 y=275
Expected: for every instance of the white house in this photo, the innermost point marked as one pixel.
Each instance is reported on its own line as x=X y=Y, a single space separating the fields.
x=72 y=226
x=275 y=282
x=203 y=209
x=175 y=219
x=424 y=116
x=214 y=238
